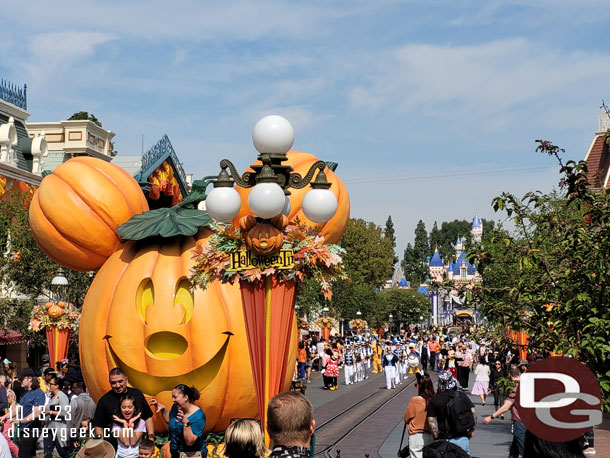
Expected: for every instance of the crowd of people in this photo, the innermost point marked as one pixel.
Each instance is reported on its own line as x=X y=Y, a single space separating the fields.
x=50 y=408
x=432 y=415
x=44 y=409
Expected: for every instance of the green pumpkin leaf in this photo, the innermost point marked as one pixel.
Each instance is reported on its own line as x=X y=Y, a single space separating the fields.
x=164 y=222
x=181 y=219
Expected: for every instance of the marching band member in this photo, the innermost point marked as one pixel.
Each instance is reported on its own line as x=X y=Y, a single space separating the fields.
x=359 y=369
x=368 y=353
x=349 y=367
x=398 y=373
x=390 y=361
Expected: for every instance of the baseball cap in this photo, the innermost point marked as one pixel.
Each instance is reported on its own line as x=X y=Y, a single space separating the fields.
x=45 y=358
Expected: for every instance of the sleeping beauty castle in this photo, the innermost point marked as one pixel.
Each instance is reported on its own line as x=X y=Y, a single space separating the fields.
x=449 y=307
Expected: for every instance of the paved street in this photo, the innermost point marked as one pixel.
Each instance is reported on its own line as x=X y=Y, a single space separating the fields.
x=379 y=434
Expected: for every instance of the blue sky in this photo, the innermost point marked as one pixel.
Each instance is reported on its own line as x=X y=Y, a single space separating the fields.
x=430 y=107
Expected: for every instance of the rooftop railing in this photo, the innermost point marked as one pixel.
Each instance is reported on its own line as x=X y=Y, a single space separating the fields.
x=12 y=93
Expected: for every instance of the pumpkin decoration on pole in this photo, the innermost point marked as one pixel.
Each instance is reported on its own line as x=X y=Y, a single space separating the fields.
x=326 y=323
x=275 y=196
x=358 y=324
x=59 y=320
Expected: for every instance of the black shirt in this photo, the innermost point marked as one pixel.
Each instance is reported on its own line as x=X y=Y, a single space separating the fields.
x=496 y=375
x=437 y=408
x=108 y=406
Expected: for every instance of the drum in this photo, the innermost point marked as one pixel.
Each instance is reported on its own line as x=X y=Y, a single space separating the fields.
x=413 y=360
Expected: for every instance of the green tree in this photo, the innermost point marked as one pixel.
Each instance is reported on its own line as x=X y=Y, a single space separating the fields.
x=369 y=255
x=350 y=297
x=450 y=231
x=550 y=277
x=309 y=297
x=415 y=260
x=435 y=238
x=407 y=305
x=85 y=116
x=390 y=234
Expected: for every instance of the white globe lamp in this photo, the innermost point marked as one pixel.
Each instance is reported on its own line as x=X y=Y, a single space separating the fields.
x=273 y=134
x=319 y=205
x=267 y=200
x=223 y=203
x=287 y=207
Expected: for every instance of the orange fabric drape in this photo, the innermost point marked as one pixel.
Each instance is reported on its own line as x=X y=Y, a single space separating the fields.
x=326 y=333
x=57 y=341
x=521 y=339
x=268 y=307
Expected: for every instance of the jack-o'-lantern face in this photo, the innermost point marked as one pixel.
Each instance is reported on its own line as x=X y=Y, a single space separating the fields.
x=142 y=314
x=264 y=239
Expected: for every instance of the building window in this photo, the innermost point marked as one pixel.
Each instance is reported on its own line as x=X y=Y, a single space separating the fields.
x=463 y=273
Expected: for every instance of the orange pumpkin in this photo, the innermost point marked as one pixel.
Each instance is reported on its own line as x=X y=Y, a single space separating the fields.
x=61 y=304
x=141 y=314
x=55 y=311
x=333 y=229
x=76 y=210
x=264 y=238
x=48 y=305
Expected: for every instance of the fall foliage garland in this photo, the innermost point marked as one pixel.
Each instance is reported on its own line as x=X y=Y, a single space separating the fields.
x=312 y=258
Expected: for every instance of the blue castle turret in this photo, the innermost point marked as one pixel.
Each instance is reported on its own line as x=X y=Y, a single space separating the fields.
x=477 y=228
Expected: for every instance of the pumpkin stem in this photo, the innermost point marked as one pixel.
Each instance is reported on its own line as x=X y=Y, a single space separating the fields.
x=197 y=193
x=332 y=165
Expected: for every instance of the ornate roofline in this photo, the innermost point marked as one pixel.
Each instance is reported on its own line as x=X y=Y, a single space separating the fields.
x=154 y=157
x=12 y=93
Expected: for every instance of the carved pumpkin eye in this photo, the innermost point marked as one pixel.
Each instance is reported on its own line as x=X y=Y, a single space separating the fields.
x=145 y=298
x=184 y=297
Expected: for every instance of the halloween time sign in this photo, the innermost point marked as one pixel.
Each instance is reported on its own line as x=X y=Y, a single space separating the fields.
x=246 y=259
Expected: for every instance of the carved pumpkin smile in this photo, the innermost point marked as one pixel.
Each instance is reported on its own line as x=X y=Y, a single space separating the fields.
x=152 y=385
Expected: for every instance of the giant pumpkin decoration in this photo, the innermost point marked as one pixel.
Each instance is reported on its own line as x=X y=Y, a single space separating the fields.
x=333 y=229
x=76 y=210
x=141 y=314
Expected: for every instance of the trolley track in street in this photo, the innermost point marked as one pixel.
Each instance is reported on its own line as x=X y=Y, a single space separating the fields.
x=331 y=432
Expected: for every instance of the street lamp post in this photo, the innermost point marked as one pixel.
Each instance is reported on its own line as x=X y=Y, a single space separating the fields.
x=273 y=137
x=391 y=320
x=59 y=286
x=270 y=180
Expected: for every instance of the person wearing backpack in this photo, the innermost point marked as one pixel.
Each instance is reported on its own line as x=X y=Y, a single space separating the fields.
x=415 y=417
x=451 y=414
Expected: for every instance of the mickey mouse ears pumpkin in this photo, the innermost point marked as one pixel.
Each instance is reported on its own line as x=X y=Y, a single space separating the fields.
x=75 y=212
x=334 y=228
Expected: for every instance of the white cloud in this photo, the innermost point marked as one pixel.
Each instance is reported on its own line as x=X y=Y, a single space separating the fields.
x=55 y=52
x=483 y=80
